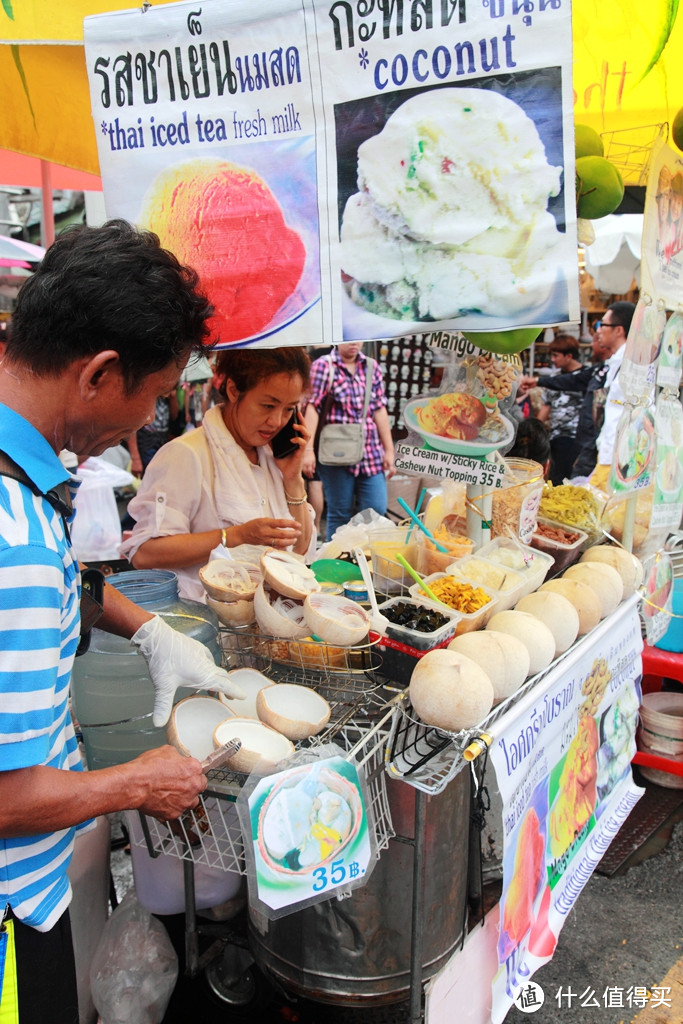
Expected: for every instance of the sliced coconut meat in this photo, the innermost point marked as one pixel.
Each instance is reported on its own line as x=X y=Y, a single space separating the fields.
x=296 y=711
x=192 y=724
x=279 y=616
x=225 y=580
x=261 y=747
x=288 y=574
x=336 y=620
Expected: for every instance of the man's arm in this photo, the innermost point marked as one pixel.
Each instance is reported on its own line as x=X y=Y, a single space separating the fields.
x=577 y=380
x=160 y=782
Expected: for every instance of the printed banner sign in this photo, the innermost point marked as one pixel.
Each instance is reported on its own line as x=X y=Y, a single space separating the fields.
x=347 y=171
x=309 y=834
x=662 y=249
x=563 y=765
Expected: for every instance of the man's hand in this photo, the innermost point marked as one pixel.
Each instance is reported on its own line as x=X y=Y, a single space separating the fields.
x=170 y=782
x=174 y=660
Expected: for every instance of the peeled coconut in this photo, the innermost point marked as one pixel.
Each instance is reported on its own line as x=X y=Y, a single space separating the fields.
x=225 y=580
x=261 y=745
x=603 y=579
x=336 y=620
x=288 y=574
x=250 y=682
x=450 y=691
x=192 y=724
x=627 y=565
x=278 y=615
x=296 y=711
x=584 y=599
x=557 y=613
x=233 y=613
x=536 y=637
x=503 y=657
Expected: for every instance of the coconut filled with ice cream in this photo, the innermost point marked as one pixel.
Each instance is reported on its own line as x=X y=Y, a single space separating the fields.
x=451 y=211
x=225 y=222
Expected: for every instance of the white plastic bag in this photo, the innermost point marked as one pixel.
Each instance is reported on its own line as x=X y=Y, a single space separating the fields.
x=135 y=967
x=96 y=531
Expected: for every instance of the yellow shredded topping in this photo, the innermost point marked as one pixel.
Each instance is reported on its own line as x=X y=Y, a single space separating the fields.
x=462 y=596
x=570 y=504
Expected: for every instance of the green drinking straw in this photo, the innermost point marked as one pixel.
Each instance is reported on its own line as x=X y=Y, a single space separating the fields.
x=418 y=579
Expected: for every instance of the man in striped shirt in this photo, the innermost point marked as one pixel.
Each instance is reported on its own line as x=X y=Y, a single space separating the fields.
x=101 y=330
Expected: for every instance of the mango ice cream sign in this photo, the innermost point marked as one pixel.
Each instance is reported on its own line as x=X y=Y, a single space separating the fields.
x=348 y=170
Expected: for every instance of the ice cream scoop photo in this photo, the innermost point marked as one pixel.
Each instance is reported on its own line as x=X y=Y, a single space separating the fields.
x=225 y=220
x=451 y=213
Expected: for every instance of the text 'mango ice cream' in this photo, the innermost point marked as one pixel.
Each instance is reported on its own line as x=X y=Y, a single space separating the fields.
x=223 y=220
x=451 y=213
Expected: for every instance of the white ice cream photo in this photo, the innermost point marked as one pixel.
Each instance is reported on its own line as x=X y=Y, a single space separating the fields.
x=451 y=213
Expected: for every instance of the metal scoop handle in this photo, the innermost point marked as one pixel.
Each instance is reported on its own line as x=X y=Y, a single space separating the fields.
x=222 y=754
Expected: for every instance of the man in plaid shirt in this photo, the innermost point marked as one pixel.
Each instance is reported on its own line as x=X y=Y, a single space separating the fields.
x=364 y=483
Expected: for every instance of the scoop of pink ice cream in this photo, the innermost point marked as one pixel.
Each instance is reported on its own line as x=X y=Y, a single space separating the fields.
x=223 y=220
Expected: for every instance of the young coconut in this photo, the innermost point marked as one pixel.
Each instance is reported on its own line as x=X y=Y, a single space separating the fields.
x=503 y=657
x=262 y=747
x=603 y=579
x=450 y=691
x=192 y=724
x=557 y=613
x=296 y=711
x=278 y=615
x=335 y=619
x=288 y=574
x=225 y=580
x=233 y=613
x=534 y=634
x=583 y=598
x=627 y=565
x=250 y=682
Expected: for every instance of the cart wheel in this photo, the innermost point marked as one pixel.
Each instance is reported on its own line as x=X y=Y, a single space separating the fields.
x=232 y=982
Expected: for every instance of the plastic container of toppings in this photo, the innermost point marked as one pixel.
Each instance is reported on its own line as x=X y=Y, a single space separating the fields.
x=428 y=559
x=398 y=659
x=564 y=543
x=507 y=584
x=418 y=623
x=533 y=565
x=475 y=602
x=514 y=507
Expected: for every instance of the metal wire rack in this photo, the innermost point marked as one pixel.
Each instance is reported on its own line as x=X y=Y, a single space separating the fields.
x=361 y=712
x=427 y=757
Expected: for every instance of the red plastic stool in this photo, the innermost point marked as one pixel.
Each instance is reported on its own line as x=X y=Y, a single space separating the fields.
x=659 y=665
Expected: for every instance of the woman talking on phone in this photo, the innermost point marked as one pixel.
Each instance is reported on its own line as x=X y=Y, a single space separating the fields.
x=222 y=483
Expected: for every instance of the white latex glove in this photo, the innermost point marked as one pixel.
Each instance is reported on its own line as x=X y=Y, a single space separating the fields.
x=174 y=660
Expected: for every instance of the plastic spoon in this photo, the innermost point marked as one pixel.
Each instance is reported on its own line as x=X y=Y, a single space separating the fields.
x=418 y=579
x=418 y=522
x=378 y=622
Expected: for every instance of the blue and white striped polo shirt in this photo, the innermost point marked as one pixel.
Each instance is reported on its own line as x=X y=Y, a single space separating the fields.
x=39 y=631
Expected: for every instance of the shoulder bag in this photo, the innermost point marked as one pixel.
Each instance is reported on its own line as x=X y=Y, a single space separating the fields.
x=342 y=444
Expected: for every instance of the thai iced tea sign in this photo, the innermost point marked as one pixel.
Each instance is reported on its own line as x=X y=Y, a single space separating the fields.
x=563 y=765
x=348 y=170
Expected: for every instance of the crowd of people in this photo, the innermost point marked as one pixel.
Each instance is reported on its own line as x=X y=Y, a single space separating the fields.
x=581 y=405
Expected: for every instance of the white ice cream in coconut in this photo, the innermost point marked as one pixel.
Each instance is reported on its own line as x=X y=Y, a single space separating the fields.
x=451 y=210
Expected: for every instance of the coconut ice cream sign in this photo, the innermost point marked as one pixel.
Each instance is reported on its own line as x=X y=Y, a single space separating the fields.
x=348 y=170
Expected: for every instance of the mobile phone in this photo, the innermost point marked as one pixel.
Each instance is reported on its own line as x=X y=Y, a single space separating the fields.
x=282 y=443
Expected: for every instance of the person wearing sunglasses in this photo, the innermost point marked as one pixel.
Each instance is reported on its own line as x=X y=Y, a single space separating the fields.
x=612 y=332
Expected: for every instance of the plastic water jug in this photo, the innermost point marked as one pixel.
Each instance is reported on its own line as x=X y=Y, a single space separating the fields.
x=111 y=690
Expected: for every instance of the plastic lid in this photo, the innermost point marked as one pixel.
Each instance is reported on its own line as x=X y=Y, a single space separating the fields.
x=335 y=570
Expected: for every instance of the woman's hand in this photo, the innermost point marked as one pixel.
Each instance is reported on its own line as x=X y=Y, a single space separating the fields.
x=309 y=463
x=271 y=533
